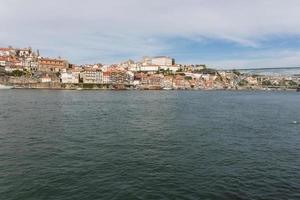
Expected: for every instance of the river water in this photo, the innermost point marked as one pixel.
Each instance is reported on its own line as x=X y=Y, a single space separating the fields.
x=149 y=145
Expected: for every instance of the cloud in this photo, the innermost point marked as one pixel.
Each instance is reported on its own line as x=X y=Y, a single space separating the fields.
x=262 y=59
x=109 y=31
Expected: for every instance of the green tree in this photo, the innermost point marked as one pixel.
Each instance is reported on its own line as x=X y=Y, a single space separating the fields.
x=243 y=82
x=18 y=73
x=188 y=78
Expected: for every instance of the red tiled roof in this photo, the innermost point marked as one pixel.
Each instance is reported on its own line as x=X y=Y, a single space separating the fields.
x=106 y=73
x=4 y=58
x=91 y=69
x=52 y=59
x=5 y=49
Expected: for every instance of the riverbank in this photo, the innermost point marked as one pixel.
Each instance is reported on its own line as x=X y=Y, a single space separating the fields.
x=79 y=87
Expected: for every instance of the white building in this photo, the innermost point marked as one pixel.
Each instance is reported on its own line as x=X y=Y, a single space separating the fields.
x=196 y=76
x=163 y=61
x=148 y=68
x=46 y=79
x=130 y=77
x=144 y=68
x=159 y=60
x=4 y=62
x=70 y=77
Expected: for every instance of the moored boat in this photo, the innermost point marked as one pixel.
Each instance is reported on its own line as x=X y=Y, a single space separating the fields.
x=3 y=87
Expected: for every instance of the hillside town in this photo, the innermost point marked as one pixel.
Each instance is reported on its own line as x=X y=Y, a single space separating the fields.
x=26 y=68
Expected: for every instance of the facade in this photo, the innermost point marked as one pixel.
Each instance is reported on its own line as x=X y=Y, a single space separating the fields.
x=4 y=61
x=251 y=80
x=163 y=61
x=2 y=70
x=121 y=77
x=170 y=68
x=7 y=52
x=152 y=80
x=149 y=68
x=92 y=76
x=51 y=65
x=70 y=77
x=167 y=82
x=46 y=79
x=26 y=52
x=106 y=78
x=180 y=82
x=159 y=60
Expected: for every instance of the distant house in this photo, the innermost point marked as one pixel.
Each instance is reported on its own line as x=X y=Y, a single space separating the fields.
x=4 y=61
x=51 y=65
x=152 y=80
x=251 y=80
x=2 y=70
x=159 y=60
x=46 y=79
x=149 y=68
x=170 y=68
x=70 y=77
x=7 y=52
x=119 y=76
x=92 y=76
x=106 y=77
x=24 y=52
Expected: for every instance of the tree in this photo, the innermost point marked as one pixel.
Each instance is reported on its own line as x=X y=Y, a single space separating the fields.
x=243 y=82
x=292 y=83
x=17 y=73
x=180 y=70
x=266 y=83
x=188 y=78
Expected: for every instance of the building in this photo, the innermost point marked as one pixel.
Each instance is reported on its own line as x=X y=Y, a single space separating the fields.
x=179 y=82
x=66 y=77
x=70 y=77
x=92 y=76
x=7 y=52
x=4 y=61
x=159 y=60
x=163 y=61
x=148 y=68
x=167 y=82
x=251 y=80
x=46 y=79
x=172 y=68
x=51 y=65
x=152 y=80
x=117 y=76
x=25 y=52
x=106 y=78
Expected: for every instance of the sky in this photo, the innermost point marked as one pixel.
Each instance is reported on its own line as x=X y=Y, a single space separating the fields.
x=219 y=33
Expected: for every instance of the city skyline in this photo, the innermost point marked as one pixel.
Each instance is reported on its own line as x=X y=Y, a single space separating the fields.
x=222 y=34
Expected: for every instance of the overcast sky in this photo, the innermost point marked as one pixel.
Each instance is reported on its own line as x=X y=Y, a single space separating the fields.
x=220 y=33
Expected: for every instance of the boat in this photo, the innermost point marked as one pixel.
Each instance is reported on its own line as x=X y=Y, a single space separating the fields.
x=5 y=87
